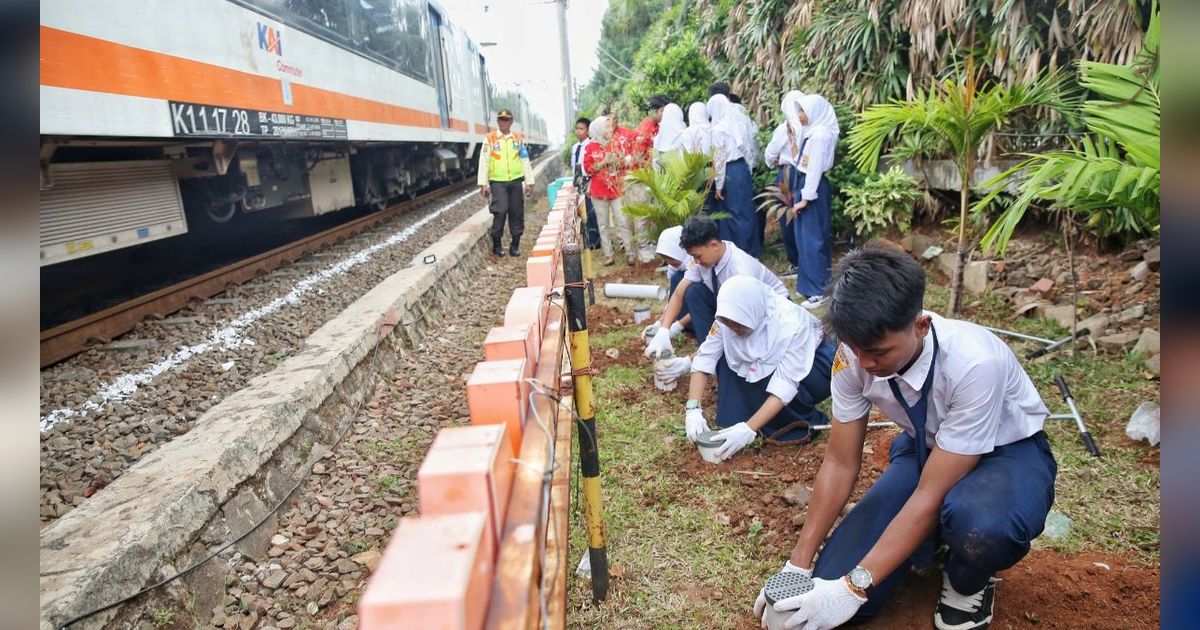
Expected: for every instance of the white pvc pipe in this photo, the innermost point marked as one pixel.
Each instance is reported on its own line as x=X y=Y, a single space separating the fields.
x=637 y=291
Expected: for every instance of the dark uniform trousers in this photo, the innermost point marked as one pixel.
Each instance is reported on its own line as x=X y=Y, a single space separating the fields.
x=508 y=203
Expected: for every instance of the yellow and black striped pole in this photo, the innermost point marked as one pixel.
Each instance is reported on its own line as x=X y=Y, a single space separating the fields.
x=589 y=455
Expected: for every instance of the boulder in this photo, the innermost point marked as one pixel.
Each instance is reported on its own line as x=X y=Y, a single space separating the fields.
x=975 y=276
x=1096 y=324
x=1152 y=258
x=1147 y=343
x=1139 y=271
x=1153 y=365
x=945 y=263
x=916 y=244
x=1132 y=313
x=1064 y=314
x=1118 y=342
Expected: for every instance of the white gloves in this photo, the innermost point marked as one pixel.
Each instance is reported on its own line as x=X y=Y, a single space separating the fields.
x=660 y=344
x=668 y=371
x=760 y=604
x=695 y=424
x=737 y=437
x=676 y=329
x=649 y=331
x=830 y=604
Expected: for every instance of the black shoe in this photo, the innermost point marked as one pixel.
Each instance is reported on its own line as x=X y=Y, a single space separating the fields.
x=956 y=611
x=497 y=249
x=514 y=250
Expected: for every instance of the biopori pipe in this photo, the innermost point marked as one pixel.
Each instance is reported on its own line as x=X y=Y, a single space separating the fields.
x=635 y=291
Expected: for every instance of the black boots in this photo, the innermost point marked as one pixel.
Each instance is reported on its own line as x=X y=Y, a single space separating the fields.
x=496 y=248
x=514 y=249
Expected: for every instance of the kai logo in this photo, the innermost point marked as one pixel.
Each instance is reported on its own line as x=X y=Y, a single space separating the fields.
x=270 y=39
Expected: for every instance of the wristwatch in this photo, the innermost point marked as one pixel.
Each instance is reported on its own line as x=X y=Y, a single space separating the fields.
x=860 y=581
x=692 y=404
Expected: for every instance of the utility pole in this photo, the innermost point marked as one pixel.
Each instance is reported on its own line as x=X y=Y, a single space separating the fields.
x=568 y=100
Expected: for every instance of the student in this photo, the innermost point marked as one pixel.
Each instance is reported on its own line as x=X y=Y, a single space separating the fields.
x=772 y=366
x=697 y=138
x=714 y=262
x=604 y=163
x=676 y=260
x=972 y=468
x=670 y=132
x=812 y=214
x=784 y=151
x=733 y=189
x=580 y=179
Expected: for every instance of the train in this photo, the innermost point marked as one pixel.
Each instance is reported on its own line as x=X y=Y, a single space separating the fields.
x=162 y=116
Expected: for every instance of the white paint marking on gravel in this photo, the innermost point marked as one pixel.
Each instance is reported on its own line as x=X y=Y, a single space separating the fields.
x=229 y=336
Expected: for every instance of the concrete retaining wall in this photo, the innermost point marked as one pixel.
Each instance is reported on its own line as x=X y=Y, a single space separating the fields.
x=182 y=501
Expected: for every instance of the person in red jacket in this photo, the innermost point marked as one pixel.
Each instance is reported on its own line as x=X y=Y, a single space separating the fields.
x=604 y=161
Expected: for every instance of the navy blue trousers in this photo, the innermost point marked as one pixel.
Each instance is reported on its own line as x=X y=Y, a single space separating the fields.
x=814 y=247
x=738 y=399
x=591 y=235
x=987 y=520
x=786 y=231
x=741 y=226
x=674 y=277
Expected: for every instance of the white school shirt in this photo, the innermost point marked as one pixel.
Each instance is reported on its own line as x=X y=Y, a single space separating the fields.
x=735 y=262
x=815 y=159
x=577 y=152
x=749 y=135
x=777 y=152
x=724 y=149
x=981 y=397
x=793 y=367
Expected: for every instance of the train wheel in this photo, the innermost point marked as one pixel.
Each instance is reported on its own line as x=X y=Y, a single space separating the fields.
x=222 y=214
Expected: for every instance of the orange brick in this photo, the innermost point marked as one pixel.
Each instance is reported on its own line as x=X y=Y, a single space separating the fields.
x=436 y=573
x=528 y=305
x=512 y=342
x=467 y=479
x=498 y=394
x=494 y=439
x=539 y=271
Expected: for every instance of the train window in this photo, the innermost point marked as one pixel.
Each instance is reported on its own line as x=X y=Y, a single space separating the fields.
x=397 y=31
x=323 y=18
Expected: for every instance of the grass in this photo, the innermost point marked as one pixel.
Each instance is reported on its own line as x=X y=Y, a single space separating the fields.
x=676 y=565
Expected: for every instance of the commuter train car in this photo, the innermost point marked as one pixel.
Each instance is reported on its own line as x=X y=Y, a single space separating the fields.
x=154 y=113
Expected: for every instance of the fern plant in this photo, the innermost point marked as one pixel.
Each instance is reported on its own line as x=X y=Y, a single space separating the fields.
x=883 y=200
x=677 y=190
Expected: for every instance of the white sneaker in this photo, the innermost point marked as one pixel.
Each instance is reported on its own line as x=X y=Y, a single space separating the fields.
x=814 y=302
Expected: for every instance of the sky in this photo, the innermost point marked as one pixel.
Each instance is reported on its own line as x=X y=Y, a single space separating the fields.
x=526 y=55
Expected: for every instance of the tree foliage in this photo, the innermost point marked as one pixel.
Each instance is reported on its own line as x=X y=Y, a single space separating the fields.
x=677 y=189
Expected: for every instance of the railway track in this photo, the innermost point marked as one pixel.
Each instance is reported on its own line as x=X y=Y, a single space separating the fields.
x=66 y=340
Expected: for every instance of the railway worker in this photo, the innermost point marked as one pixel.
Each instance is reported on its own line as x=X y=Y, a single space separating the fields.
x=503 y=164
x=714 y=262
x=772 y=364
x=604 y=165
x=733 y=189
x=784 y=151
x=972 y=468
x=580 y=181
x=812 y=215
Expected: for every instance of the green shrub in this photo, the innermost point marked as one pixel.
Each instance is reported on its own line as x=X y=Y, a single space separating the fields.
x=883 y=200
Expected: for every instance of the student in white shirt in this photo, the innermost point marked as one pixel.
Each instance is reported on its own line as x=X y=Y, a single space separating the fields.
x=772 y=365
x=697 y=138
x=733 y=187
x=783 y=151
x=812 y=215
x=714 y=262
x=580 y=179
x=972 y=468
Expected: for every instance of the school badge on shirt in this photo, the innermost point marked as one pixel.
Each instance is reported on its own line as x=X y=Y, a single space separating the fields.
x=839 y=361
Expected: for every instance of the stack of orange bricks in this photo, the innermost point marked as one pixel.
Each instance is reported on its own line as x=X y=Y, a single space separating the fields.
x=437 y=569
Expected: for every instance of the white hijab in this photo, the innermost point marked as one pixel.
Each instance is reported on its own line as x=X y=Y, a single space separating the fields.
x=670 y=129
x=725 y=119
x=697 y=116
x=668 y=245
x=599 y=129
x=772 y=320
x=820 y=115
x=791 y=114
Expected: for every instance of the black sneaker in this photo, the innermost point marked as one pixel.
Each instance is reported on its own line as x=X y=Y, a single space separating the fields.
x=514 y=250
x=956 y=611
x=497 y=249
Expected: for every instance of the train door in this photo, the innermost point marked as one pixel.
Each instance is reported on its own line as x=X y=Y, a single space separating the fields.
x=439 y=65
x=483 y=92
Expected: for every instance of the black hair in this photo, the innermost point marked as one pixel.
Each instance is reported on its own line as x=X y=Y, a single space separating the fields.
x=718 y=87
x=875 y=290
x=735 y=99
x=698 y=230
x=656 y=101
x=585 y=120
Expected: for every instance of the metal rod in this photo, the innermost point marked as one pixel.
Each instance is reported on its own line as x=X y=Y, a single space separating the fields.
x=870 y=425
x=1010 y=333
x=589 y=454
x=1088 y=442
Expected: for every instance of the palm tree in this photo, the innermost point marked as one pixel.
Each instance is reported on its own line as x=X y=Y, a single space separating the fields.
x=677 y=190
x=954 y=116
x=1111 y=179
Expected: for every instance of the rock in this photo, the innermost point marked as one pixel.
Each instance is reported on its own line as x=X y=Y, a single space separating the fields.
x=369 y=558
x=975 y=276
x=1064 y=314
x=1152 y=257
x=279 y=539
x=274 y=579
x=1153 y=365
x=285 y=624
x=945 y=263
x=318 y=469
x=312 y=608
x=797 y=494
x=349 y=623
x=131 y=345
x=915 y=243
x=1118 y=342
x=1043 y=285
x=260 y=607
x=346 y=565
x=1058 y=526
x=1096 y=324
x=325 y=502
x=1139 y=271
x=1137 y=311
x=315 y=563
x=798 y=519
x=1147 y=343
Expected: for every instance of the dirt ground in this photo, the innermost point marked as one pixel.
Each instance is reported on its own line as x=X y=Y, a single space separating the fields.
x=1046 y=589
